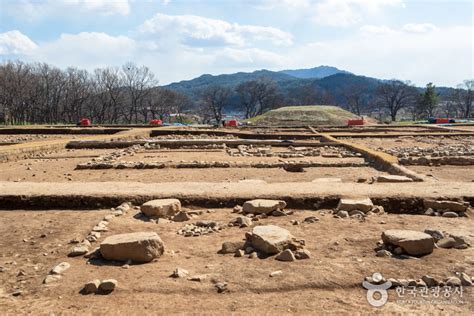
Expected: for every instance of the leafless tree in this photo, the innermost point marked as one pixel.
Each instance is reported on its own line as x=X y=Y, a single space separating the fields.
x=354 y=95
x=108 y=99
x=137 y=82
x=258 y=96
x=395 y=95
x=213 y=100
x=466 y=94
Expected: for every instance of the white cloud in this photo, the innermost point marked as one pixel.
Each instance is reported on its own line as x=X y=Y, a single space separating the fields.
x=343 y=13
x=407 y=28
x=444 y=56
x=16 y=43
x=419 y=28
x=334 y=13
x=33 y=9
x=87 y=49
x=377 y=29
x=192 y=30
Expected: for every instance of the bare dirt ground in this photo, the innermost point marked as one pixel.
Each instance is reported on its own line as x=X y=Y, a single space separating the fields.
x=342 y=250
x=447 y=173
x=338 y=265
x=60 y=166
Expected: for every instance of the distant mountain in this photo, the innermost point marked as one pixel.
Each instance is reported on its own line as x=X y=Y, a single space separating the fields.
x=192 y=86
x=315 y=73
x=319 y=85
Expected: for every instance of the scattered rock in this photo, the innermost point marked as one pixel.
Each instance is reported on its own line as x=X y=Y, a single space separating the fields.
x=78 y=251
x=450 y=214
x=51 y=278
x=239 y=253
x=231 y=247
x=311 y=219
x=91 y=287
x=182 y=216
x=237 y=209
x=243 y=221
x=261 y=206
x=412 y=242
x=221 y=287
x=269 y=239
x=138 y=247
x=60 y=268
x=452 y=281
x=286 y=255
x=436 y=234
x=276 y=273
x=342 y=214
x=383 y=253
x=161 y=208
x=465 y=279
x=446 y=243
x=198 y=278
x=279 y=212
x=107 y=286
x=301 y=254
x=179 y=273
x=429 y=281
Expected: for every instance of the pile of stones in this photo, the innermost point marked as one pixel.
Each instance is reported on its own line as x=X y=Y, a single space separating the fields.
x=356 y=208
x=265 y=241
x=294 y=152
x=438 y=161
x=199 y=228
x=109 y=161
x=195 y=136
x=438 y=151
x=428 y=281
x=214 y=164
x=445 y=208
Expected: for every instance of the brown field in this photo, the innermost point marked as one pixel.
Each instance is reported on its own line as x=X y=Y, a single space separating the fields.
x=37 y=229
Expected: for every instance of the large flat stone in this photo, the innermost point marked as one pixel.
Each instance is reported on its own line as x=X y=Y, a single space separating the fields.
x=412 y=242
x=446 y=205
x=269 y=239
x=393 y=178
x=138 y=247
x=261 y=206
x=161 y=208
x=361 y=204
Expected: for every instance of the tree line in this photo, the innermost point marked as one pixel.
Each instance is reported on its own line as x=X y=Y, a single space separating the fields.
x=38 y=93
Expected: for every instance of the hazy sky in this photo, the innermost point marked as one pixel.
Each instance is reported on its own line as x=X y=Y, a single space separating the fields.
x=419 y=40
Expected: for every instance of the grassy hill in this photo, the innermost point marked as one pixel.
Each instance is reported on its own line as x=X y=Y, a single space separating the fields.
x=304 y=115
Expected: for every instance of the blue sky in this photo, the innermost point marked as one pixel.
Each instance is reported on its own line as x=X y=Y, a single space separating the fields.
x=417 y=40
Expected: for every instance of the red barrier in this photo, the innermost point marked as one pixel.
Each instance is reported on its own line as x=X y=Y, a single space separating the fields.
x=85 y=122
x=442 y=121
x=355 y=122
x=232 y=123
x=156 y=122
